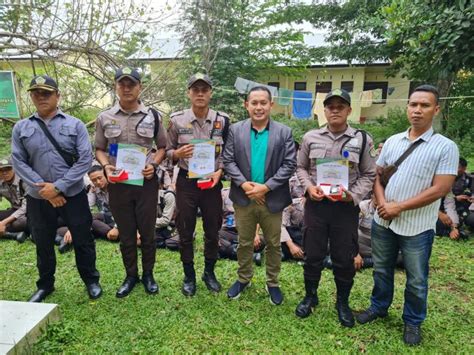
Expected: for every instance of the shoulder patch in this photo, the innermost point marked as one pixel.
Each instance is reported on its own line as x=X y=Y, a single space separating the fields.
x=372 y=151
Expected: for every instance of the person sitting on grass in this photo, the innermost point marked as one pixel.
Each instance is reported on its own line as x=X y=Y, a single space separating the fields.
x=13 y=219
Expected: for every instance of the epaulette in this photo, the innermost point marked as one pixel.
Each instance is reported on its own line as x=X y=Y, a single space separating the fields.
x=177 y=113
x=222 y=114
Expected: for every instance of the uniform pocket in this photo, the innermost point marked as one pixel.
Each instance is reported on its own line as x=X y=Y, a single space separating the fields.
x=27 y=136
x=112 y=131
x=317 y=153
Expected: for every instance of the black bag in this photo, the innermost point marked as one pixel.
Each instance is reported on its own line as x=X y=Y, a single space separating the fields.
x=69 y=158
x=388 y=171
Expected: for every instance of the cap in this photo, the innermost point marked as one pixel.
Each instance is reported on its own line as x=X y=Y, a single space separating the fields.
x=128 y=73
x=199 y=76
x=6 y=163
x=343 y=94
x=43 y=82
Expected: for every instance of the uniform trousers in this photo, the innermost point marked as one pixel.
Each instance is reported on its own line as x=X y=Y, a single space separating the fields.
x=188 y=198
x=43 y=218
x=337 y=223
x=18 y=225
x=134 y=209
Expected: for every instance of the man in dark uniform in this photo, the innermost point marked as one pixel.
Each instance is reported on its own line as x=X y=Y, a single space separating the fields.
x=198 y=122
x=51 y=153
x=325 y=217
x=133 y=207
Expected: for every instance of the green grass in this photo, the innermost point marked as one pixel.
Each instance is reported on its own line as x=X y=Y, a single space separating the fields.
x=169 y=322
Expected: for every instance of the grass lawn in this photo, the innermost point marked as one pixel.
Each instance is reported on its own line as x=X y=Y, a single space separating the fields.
x=169 y=322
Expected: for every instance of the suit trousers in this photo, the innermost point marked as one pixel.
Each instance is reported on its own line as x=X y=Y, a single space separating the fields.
x=43 y=219
x=188 y=198
x=134 y=209
x=334 y=222
x=247 y=218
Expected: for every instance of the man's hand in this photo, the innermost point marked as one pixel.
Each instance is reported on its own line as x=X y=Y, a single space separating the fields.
x=3 y=227
x=247 y=186
x=148 y=172
x=454 y=234
x=57 y=201
x=216 y=177
x=444 y=218
x=184 y=152
x=389 y=210
x=295 y=251
x=47 y=191
x=462 y=198
x=358 y=262
x=68 y=237
x=257 y=242
x=315 y=193
x=139 y=240
x=109 y=169
x=257 y=193
x=113 y=234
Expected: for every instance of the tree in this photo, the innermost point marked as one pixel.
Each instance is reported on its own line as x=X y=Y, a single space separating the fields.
x=231 y=38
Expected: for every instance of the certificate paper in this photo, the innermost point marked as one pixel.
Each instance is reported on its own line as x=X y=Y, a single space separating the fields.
x=203 y=161
x=132 y=159
x=332 y=172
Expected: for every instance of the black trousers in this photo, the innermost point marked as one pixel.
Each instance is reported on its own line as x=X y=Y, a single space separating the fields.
x=43 y=218
x=337 y=223
x=188 y=198
x=19 y=225
x=134 y=209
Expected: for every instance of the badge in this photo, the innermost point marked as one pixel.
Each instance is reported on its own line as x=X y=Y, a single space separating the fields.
x=127 y=71
x=40 y=80
x=373 y=152
x=218 y=125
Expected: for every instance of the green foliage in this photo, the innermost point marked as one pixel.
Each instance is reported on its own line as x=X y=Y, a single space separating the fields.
x=206 y=323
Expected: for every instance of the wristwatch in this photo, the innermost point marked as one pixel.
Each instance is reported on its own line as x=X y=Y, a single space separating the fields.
x=58 y=191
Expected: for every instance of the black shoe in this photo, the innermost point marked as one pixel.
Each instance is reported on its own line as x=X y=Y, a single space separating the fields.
x=150 y=284
x=344 y=313
x=412 y=334
x=40 y=295
x=22 y=237
x=10 y=235
x=236 y=289
x=58 y=239
x=64 y=247
x=189 y=287
x=369 y=316
x=276 y=297
x=127 y=286
x=305 y=307
x=94 y=290
x=211 y=282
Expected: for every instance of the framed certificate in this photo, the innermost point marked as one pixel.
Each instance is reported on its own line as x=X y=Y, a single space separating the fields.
x=132 y=159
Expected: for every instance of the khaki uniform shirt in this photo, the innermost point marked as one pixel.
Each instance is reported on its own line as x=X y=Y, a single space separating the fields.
x=321 y=143
x=293 y=216
x=184 y=127
x=115 y=125
x=15 y=195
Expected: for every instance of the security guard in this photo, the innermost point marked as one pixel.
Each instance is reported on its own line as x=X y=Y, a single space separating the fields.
x=198 y=122
x=326 y=218
x=133 y=207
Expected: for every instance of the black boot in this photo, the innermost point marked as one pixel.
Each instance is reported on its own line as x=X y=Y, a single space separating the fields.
x=10 y=235
x=189 y=282
x=305 y=307
x=209 y=277
x=344 y=312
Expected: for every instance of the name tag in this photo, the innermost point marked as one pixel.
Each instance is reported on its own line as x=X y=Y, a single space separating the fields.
x=185 y=131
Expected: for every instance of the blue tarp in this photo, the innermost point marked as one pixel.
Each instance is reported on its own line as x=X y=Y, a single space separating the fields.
x=302 y=108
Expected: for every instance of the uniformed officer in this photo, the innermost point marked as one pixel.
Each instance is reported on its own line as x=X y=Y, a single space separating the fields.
x=198 y=122
x=133 y=207
x=327 y=219
x=51 y=153
x=13 y=219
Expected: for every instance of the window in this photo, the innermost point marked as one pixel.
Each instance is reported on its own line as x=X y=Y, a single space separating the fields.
x=275 y=84
x=374 y=85
x=347 y=85
x=323 y=86
x=300 y=85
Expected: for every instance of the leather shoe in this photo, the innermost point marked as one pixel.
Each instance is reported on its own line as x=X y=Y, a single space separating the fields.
x=40 y=295
x=368 y=316
x=305 y=307
x=94 y=290
x=150 y=284
x=127 y=286
x=189 y=287
x=64 y=247
x=22 y=236
x=344 y=313
x=211 y=282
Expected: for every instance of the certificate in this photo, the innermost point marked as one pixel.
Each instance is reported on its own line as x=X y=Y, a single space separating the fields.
x=132 y=159
x=203 y=161
x=332 y=172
